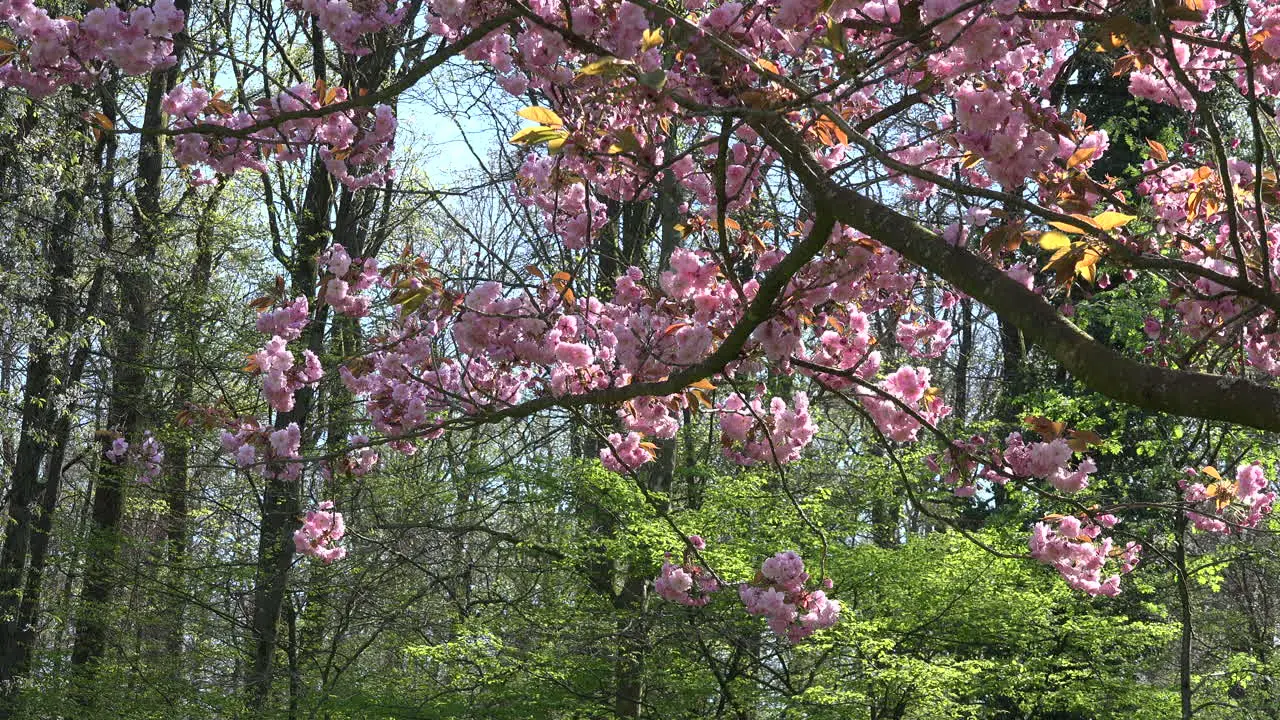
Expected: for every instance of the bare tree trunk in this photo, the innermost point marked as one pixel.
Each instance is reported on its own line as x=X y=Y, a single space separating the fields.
x=280 y=502
x=39 y=403
x=129 y=384
x=280 y=505
x=964 y=352
x=1187 y=634
x=178 y=454
x=33 y=586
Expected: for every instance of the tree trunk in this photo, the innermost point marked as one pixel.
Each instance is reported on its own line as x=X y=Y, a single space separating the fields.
x=38 y=408
x=129 y=384
x=280 y=503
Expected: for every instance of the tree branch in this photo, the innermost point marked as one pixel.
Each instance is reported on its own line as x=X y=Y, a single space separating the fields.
x=1097 y=366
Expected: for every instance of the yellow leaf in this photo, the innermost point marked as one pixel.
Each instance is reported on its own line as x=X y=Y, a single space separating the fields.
x=1212 y=472
x=605 y=66
x=703 y=384
x=1085 y=220
x=523 y=136
x=541 y=115
x=651 y=39
x=1110 y=220
x=7 y=45
x=537 y=135
x=627 y=142
x=1054 y=241
x=1087 y=272
x=1085 y=265
x=1064 y=227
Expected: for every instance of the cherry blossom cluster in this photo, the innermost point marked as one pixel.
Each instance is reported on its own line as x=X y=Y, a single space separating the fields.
x=624 y=453
x=915 y=401
x=687 y=583
x=282 y=376
x=348 y=279
x=363 y=458
x=346 y=22
x=1223 y=506
x=283 y=373
x=1013 y=135
x=147 y=456
x=925 y=337
x=515 y=344
x=965 y=462
x=1073 y=548
x=286 y=322
x=53 y=52
x=779 y=594
x=755 y=434
x=275 y=451
x=320 y=530
x=1048 y=461
x=283 y=128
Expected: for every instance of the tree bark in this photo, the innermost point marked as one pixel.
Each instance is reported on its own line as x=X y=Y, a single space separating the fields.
x=1097 y=366
x=38 y=410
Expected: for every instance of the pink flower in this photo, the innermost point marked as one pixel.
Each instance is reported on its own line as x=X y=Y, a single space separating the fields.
x=321 y=528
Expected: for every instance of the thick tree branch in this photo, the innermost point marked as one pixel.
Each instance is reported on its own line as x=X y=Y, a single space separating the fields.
x=1097 y=366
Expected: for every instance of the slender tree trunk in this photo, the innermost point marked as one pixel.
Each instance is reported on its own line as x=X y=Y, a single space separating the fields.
x=1184 y=616
x=281 y=497
x=42 y=533
x=178 y=454
x=129 y=384
x=38 y=409
x=964 y=352
x=280 y=506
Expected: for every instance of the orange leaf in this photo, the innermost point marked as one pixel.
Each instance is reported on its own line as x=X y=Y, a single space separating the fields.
x=1080 y=156
x=673 y=327
x=701 y=396
x=1158 y=151
x=1082 y=439
x=768 y=65
x=1202 y=173
x=1047 y=429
